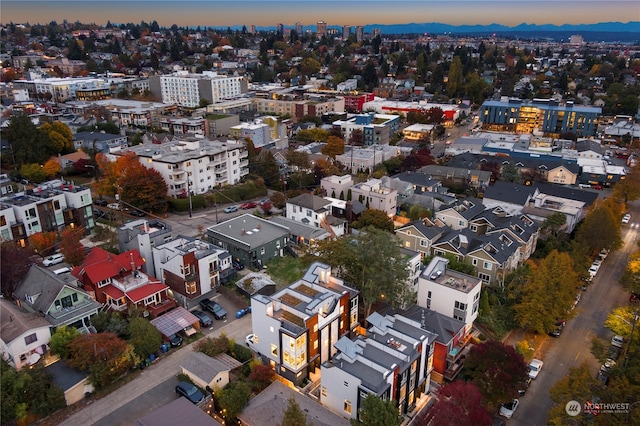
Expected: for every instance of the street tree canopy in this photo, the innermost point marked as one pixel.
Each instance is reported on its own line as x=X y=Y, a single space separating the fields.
x=376 y=412
x=579 y=385
x=497 y=370
x=376 y=218
x=548 y=293
x=372 y=263
x=458 y=403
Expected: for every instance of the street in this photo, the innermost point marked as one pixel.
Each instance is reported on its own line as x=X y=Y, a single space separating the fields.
x=573 y=347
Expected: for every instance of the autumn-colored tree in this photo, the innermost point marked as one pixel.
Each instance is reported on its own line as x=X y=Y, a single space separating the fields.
x=278 y=199
x=15 y=261
x=376 y=412
x=266 y=207
x=630 y=278
x=325 y=168
x=628 y=189
x=51 y=169
x=104 y=355
x=376 y=218
x=261 y=374
x=213 y=346
x=334 y=146
x=599 y=229
x=33 y=172
x=70 y=246
x=579 y=385
x=60 y=137
x=548 y=293
x=497 y=370
x=42 y=242
x=143 y=188
x=458 y=403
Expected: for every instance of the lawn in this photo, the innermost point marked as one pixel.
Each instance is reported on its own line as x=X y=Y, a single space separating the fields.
x=286 y=270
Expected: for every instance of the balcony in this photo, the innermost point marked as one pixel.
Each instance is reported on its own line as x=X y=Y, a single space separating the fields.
x=160 y=308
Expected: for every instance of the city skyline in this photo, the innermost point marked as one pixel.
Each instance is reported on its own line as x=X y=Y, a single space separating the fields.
x=269 y=13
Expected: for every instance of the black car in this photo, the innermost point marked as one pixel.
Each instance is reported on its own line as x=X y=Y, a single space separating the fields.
x=205 y=320
x=556 y=332
x=137 y=213
x=238 y=265
x=175 y=340
x=214 y=308
x=190 y=392
x=100 y=202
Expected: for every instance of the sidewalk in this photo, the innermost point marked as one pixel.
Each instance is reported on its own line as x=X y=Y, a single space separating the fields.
x=149 y=378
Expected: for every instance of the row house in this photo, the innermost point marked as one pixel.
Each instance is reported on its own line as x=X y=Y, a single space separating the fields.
x=392 y=361
x=183 y=126
x=190 y=165
x=191 y=268
x=454 y=297
x=296 y=329
x=315 y=211
x=50 y=207
x=117 y=282
x=57 y=298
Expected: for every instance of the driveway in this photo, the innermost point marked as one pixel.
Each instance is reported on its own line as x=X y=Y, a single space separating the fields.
x=154 y=384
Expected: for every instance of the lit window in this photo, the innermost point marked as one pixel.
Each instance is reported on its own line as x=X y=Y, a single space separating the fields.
x=347 y=406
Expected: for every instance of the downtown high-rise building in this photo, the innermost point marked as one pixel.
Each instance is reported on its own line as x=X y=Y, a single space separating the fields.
x=346 y=31
x=359 y=33
x=321 y=28
x=280 y=28
x=299 y=28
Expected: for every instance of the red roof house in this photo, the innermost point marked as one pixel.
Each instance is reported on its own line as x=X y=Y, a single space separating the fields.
x=117 y=280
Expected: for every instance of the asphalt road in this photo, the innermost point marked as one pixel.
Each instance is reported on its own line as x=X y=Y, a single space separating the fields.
x=573 y=347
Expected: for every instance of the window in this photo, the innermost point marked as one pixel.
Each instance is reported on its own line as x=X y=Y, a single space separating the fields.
x=484 y=277
x=262 y=250
x=347 y=406
x=324 y=391
x=274 y=350
x=486 y=265
x=308 y=213
x=346 y=384
x=474 y=262
x=30 y=339
x=460 y=305
x=190 y=288
x=423 y=243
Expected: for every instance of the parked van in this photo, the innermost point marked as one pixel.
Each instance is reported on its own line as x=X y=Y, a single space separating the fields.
x=62 y=270
x=53 y=260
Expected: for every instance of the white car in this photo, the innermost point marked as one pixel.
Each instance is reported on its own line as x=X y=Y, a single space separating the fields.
x=617 y=341
x=53 y=260
x=593 y=270
x=250 y=340
x=114 y=206
x=626 y=218
x=534 y=368
x=508 y=408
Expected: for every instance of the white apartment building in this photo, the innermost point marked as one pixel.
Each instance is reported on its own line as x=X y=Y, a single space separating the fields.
x=335 y=185
x=193 y=165
x=315 y=211
x=375 y=196
x=449 y=292
x=186 y=90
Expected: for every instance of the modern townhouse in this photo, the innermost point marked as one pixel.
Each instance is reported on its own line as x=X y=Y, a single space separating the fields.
x=295 y=329
x=452 y=344
x=421 y=235
x=191 y=267
x=449 y=292
x=337 y=186
x=376 y=129
x=376 y=196
x=192 y=165
x=57 y=298
x=392 y=361
x=250 y=239
x=144 y=235
x=183 y=126
x=315 y=211
x=24 y=336
x=51 y=206
x=264 y=132
x=117 y=282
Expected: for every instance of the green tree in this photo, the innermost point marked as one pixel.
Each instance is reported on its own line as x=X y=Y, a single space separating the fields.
x=60 y=137
x=372 y=263
x=548 y=293
x=376 y=218
x=233 y=398
x=33 y=172
x=61 y=339
x=497 y=370
x=294 y=416
x=145 y=338
x=579 y=385
x=376 y=412
x=27 y=143
x=599 y=229
x=454 y=81
x=553 y=225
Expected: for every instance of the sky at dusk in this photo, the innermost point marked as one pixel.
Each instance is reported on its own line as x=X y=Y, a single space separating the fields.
x=215 y=13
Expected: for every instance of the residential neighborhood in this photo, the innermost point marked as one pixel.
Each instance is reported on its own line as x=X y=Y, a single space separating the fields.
x=318 y=224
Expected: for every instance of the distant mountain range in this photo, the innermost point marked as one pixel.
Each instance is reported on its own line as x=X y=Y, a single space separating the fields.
x=603 y=31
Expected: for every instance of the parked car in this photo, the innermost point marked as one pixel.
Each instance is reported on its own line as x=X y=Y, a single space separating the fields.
x=231 y=209
x=249 y=205
x=603 y=253
x=205 y=320
x=100 y=202
x=53 y=259
x=614 y=353
x=534 y=368
x=555 y=332
x=238 y=265
x=214 y=308
x=175 y=340
x=190 y=392
x=114 y=206
x=508 y=408
x=608 y=365
x=617 y=341
x=593 y=270
x=626 y=218
x=266 y=200
x=527 y=383
x=250 y=340
x=137 y=213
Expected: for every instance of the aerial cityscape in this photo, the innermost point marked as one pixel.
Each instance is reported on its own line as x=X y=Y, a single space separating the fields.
x=320 y=213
